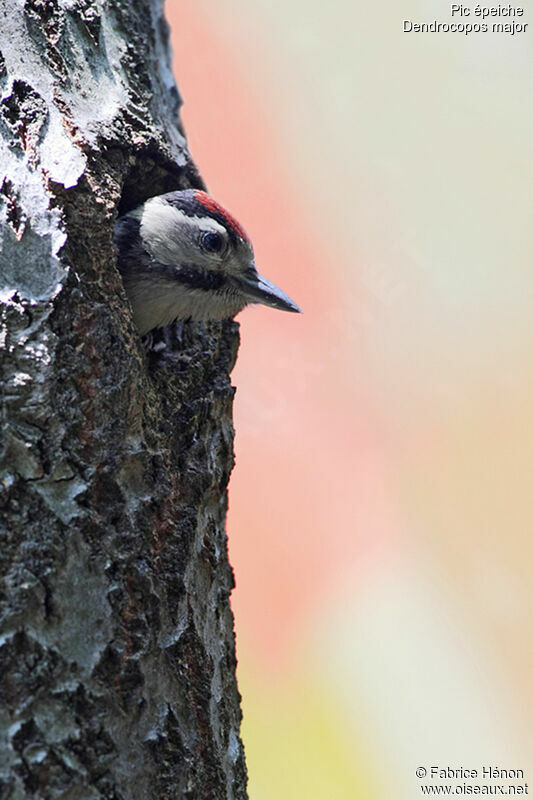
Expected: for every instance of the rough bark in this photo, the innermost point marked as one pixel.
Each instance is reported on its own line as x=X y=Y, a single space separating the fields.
x=117 y=658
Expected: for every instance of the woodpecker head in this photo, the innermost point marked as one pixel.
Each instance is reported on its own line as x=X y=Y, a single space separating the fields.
x=183 y=256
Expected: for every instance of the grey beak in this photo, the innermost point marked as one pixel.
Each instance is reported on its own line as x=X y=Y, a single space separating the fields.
x=261 y=290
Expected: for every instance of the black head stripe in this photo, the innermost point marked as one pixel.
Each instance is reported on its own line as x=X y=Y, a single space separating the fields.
x=189 y=275
x=196 y=278
x=131 y=255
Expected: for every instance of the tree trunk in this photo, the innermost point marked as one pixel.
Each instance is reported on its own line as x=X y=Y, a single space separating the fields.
x=117 y=656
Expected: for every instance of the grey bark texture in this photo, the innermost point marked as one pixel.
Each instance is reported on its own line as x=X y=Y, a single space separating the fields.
x=117 y=654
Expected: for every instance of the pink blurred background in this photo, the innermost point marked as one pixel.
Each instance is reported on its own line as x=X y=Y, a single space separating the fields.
x=381 y=504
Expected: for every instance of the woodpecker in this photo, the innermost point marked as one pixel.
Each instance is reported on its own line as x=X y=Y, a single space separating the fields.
x=183 y=256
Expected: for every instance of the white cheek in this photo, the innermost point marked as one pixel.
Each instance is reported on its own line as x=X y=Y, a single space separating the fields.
x=172 y=235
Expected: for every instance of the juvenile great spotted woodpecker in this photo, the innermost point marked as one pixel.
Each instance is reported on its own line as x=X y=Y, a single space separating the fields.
x=182 y=256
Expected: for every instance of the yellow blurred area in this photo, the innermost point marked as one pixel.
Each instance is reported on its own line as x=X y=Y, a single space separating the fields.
x=295 y=743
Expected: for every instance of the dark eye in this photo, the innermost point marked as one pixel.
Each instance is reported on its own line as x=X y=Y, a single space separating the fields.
x=213 y=242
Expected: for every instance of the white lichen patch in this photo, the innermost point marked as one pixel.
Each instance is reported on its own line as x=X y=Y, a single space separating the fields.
x=60 y=496
x=40 y=352
x=20 y=379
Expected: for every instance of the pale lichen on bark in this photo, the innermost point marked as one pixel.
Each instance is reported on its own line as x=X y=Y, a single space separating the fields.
x=117 y=656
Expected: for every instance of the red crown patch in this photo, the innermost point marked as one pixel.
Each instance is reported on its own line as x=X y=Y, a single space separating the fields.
x=204 y=199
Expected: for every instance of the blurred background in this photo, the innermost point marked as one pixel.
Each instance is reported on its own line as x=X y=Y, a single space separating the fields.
x=381 y=506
